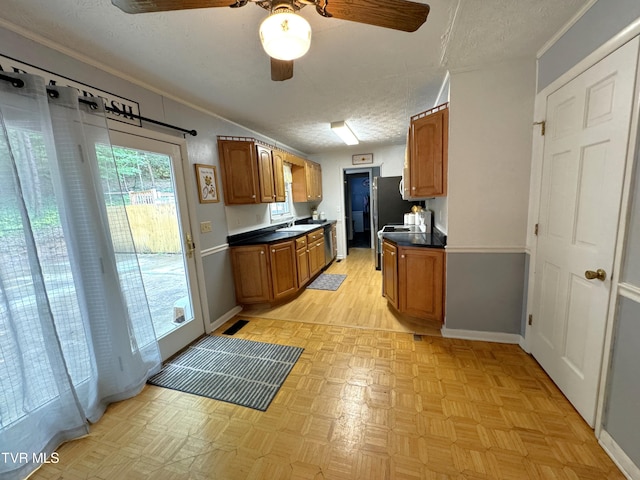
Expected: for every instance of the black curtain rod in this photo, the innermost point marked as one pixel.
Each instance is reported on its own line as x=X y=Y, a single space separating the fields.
x=18 y=83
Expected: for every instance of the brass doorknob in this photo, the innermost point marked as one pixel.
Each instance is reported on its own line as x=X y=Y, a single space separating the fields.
x=600 y=274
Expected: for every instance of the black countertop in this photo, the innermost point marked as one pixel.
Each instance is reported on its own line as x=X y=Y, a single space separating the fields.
x=270 y=235
x=436 y=239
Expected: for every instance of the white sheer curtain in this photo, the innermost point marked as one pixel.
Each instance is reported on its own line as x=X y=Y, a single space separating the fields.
x=75 y=328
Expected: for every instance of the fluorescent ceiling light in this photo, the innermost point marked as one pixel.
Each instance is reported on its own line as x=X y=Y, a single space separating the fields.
x=285 y=35
x=344 y=132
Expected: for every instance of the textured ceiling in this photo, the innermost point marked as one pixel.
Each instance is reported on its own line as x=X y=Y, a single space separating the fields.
x=373 y=78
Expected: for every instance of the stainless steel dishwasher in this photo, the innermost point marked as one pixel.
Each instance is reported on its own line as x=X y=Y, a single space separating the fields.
x=328 y=245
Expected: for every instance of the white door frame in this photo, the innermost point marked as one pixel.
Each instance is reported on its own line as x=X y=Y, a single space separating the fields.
x=535 y=186
x=191 y=193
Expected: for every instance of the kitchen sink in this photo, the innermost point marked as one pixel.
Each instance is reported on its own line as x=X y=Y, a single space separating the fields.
x=299 y=228
x=391 y=229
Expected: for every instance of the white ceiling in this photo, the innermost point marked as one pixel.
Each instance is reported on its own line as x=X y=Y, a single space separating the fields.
x=373 y=78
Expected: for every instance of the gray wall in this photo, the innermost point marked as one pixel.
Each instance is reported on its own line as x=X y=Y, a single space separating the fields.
x=485 y=291
x=621 y=419
x=601 y=22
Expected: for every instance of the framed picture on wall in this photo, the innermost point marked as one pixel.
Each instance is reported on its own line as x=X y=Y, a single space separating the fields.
x=362 y=159
x=207 y=183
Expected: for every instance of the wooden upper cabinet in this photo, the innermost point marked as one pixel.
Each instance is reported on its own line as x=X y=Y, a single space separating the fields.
x=428 y=154
x=307 y=182
x=251 y=173
x=317 y=181
x=265 y=174
x=278 y=175
x=239 y=172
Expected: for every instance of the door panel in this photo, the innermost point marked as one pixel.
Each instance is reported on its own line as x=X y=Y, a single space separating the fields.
x=167 y=265
x=265 y=175
x=583 y=169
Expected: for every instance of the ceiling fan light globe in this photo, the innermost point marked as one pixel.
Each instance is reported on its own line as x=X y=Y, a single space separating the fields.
x=285 y=35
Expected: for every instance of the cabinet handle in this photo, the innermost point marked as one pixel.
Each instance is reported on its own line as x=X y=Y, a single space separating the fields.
x=261 y=253
x=393 y=253
x=413 y=188
x=273 y=251
x=253 y=196
x=401 y=256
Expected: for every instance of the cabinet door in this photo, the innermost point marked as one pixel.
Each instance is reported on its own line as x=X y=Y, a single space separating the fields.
x=310 y=181
x=390 y=273
x=265 y=175
x=317 y=181
x=251 y=274
x=429 y=152
x=421 y=282
x=239 y=172
x=302 y=262
x=315 y=240
x=283 y=269
x=278 y=176
x=313 y=259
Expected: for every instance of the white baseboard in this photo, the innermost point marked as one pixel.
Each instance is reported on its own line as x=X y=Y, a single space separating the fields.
x=497 y=337
x=224 y=318
x=624 y=463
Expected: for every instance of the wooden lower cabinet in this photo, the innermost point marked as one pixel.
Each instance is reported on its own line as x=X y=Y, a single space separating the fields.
x=302 y=262
x=284 y=276
x=251 y=273
x=315 y=242
x=269 y=273
x=390 y=273
x=418 y=287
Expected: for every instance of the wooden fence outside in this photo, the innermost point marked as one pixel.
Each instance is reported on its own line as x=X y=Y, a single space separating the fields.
x=154 y=228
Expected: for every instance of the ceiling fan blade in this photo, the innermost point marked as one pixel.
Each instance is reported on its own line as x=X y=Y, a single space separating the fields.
x=281 y=70
x=146 y=6
x=396 y=14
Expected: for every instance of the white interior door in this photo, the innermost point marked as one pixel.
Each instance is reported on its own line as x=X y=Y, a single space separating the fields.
x=585 y=152
x=152 y=176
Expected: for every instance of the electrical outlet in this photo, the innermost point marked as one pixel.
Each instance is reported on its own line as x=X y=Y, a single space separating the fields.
x=205 y=227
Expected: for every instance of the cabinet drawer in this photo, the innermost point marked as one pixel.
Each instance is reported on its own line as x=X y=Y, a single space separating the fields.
x=315 y=235
x=301 y=242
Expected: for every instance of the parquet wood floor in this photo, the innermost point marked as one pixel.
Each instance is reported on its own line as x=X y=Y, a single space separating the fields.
x=359 y=404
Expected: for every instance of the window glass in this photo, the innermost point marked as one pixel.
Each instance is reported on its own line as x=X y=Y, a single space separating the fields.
x=282 y=211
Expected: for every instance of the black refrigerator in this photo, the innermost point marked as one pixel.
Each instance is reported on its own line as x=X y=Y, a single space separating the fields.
x=387 y=206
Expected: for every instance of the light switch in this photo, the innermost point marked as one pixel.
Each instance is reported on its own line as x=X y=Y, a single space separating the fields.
x=205 y=227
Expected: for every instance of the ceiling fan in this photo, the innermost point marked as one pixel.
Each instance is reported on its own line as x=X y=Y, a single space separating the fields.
x=285 y=35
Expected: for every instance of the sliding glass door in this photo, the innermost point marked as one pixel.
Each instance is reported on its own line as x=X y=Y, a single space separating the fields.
x=151 y=174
